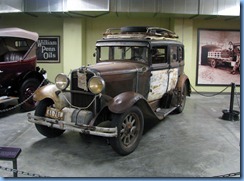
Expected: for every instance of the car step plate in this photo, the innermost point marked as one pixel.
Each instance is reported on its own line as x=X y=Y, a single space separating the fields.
x=165 y=112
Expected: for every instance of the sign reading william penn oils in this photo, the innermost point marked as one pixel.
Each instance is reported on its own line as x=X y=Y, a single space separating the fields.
x=48 y=49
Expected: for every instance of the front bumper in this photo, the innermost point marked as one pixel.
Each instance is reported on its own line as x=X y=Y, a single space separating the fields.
x=85 y=129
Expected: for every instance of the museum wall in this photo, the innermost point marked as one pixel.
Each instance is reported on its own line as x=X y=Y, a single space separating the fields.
x=78 y=37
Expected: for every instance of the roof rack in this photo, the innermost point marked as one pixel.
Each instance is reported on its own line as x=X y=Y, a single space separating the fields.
x=140 y=33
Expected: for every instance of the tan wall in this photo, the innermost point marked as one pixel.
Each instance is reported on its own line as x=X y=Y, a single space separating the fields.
x=78 y=37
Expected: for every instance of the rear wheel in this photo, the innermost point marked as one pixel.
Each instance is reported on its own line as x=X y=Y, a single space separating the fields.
x=130 y=128
x=44 y=130
x=182 y=100
x=213 y=63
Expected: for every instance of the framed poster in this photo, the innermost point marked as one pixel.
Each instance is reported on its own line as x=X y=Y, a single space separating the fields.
x=48 y=49
x=218 y=57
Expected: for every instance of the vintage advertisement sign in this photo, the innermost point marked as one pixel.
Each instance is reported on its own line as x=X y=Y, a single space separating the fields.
x=218 y=58
x=48 y=49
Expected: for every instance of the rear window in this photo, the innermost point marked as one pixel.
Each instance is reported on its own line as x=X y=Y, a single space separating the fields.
x=20 y=43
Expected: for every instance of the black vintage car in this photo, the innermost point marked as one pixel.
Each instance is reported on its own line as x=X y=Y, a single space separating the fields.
x=139 y=75
x=19 y=75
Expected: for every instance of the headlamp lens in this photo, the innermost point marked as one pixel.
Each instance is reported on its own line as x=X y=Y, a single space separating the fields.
x=96 y=85
x=62 y=81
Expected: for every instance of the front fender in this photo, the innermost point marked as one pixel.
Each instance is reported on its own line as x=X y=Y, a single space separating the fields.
x=123 y=101
x=52 y=92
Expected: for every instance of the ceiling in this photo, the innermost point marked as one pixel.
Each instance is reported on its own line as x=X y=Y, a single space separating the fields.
x=191 y=9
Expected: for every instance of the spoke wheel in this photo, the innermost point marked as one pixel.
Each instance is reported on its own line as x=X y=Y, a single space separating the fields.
x=130 y=128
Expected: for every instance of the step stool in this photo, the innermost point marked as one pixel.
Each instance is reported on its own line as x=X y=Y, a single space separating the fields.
x=10 y=154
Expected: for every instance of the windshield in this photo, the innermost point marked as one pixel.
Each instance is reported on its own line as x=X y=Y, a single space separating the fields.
x=122 y=53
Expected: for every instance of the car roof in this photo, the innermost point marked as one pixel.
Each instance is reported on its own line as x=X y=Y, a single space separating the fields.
x=148 y=41
x=18 y=33
x=152 y=35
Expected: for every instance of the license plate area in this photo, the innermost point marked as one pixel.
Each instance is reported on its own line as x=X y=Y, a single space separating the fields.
x=54 y=113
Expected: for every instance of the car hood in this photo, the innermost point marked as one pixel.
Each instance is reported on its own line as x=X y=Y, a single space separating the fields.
x=110 y=68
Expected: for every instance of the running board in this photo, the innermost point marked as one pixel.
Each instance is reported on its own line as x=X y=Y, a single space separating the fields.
x=4 y=99
x=162 y=113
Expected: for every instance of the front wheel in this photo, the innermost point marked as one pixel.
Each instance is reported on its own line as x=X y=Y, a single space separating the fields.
x=130 y=128
x=44 y=130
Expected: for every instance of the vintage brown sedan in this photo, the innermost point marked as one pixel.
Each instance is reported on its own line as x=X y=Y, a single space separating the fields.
x=19 y=76
x=139 y=75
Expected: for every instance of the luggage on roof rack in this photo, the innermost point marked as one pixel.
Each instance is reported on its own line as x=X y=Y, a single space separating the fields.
x=145 y=32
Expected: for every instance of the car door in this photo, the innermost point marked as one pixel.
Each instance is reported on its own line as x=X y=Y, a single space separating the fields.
x=165 y=70
x=159 y=73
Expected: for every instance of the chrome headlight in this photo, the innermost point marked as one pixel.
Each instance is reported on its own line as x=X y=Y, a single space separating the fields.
x=96 y=85
x=62 y=81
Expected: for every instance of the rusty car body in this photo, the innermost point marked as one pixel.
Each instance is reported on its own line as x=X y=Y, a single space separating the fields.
x=139 y=75
x=19 y=75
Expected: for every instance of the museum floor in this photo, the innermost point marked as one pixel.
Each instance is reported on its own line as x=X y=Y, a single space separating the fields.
x=195 y=143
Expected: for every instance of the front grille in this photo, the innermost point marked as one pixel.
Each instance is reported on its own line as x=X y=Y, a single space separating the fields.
x=81 y=98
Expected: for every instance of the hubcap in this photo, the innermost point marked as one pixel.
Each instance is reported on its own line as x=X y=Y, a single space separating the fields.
x=28 y=92
x=129 y=130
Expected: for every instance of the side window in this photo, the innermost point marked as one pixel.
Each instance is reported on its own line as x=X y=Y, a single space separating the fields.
x=104 y=53
x=159 y=55
x=126 y=53
x=180 y=53
x=173 y=54
x=139 y=53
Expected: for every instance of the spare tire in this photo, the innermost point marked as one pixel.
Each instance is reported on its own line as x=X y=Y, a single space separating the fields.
x=131 y=29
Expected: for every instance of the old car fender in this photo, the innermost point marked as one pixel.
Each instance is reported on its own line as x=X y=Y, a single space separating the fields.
x=183 y=79
x=31 y=74
x=123 y=101
x=52 y=92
